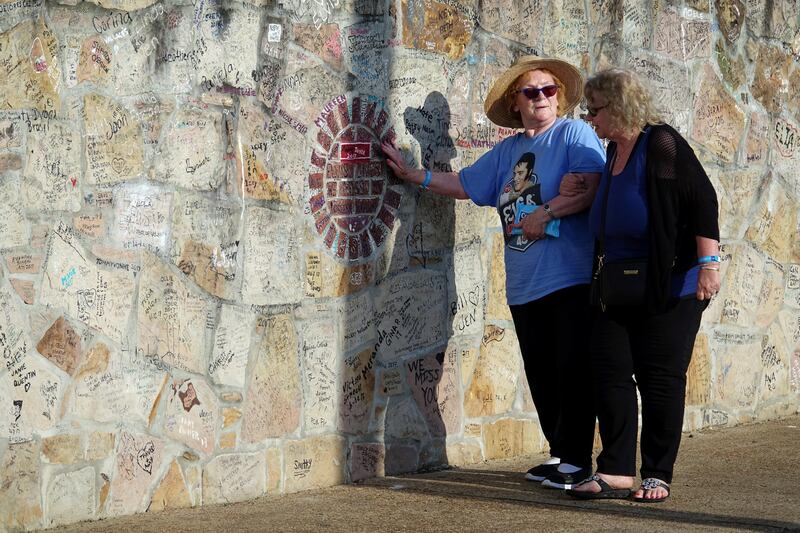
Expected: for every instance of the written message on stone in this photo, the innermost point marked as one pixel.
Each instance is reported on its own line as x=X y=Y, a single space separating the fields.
x=272 y=260
x=192 y=415
x=97 y=297
x=467 y=294
x=231 y=346
x=136 y=465
x=173 y=320
x=114 y=149
x=434 y=383
x=410 y=313
x=493 y=386
x=318 y=356
x=234 y=478
x=29 y=55
x=53 y=168
x=357 y=393
x=141 y=217
x=13 y=224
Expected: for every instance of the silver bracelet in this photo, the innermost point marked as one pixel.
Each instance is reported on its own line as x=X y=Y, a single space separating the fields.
x=709 y=268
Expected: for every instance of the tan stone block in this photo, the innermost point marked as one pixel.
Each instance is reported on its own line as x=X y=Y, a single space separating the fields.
x=62 y=449
x=682 y=38
x=272 y=405
x=366 y=461
x=137 y=457
x=61 y=345
x=789 y=320
x=314 y=463
x=738 y=369
x=90 y=225
x=775 y=223
x=25 y=289
x=736 y=192
x=322 y=40
x=464 y=453
x=321 y=362
x=494 y=383
x=103 y=495
x=785 y=139
x=32 y=47
x=497 y=306
x=171 y=492
x=274 y=470
x=99 y=445
x=230 y=415
x=358 y=385
x=392 y=381
x=227 y=441
x=21 y=475
x=775 y=360
x=114 y=147
x=234 y=477
x=718 y=122
x=731 y=66
x=741 y=287
x=698 y=376
x=23 y=263
x=792 y=297
x=508 y=437
x=10 y=161
x=517 y=21
x=772 y=293
x=439 y=28
x=71 y=497
x=473 y=430
x=770 y=77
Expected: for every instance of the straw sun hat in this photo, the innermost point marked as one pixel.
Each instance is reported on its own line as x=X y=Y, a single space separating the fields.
x=495 y=106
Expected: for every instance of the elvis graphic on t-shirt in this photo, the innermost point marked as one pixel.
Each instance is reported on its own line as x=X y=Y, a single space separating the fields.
x=523 y=188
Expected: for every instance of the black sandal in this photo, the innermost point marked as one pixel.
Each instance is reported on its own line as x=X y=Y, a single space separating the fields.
x=650 y=484
x=607 y=492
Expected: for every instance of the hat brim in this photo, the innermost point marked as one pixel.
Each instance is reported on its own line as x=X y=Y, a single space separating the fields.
x=495 y=106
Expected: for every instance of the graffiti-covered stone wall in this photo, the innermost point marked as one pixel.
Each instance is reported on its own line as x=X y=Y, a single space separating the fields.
x=211 y=287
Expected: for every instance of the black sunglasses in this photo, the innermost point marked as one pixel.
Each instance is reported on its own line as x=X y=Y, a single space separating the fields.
x=593 y=111
x=533 y=92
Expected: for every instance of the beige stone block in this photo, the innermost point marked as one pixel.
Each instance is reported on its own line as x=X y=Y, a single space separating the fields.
x=319 y=40
x=770 y=77
x=52 y=169
x=274 y=470
x=698 y=376
x=234 y=477
x=61 y=345
x=467 y=293
x=392 y=380
x=14 y=226
x=25 y=290
x=21 y=475
x=367 y=460
x=231 y=347
x=756 y=144
x=231 y=397
x=772 y=293
x=497 y=305
x=775 y=222
x=775 y=360
x=738 y=369
x=114 y=146
x=718 y=122
x=494 y=383
x=508 y=437
x=663 y=75
x=358 y=385
x=314 y=463
x=527 y=397
x=464 y=453
x=519 y=22
x=32 y=47
x=785 y=154
x=473 y=430
x=792 y=296
x=320 y=367
x=434 y=384
x=171 y=492
x=736 y=192
x=62 y=449
x=466 y=355
x=137 y=457
x=682 y=38
x=789 y=320
x=99 y=445
x=741 y=286
x=192 y=415
x=70 y=497
x=93 y=226
x=272 y=404
x=230 y=415
x=227 y=441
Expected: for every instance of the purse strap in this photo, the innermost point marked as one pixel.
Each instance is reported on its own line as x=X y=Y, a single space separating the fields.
x=602 y=249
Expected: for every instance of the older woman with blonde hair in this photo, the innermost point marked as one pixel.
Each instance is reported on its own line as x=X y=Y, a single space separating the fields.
x=654 y=218
x=548 y=247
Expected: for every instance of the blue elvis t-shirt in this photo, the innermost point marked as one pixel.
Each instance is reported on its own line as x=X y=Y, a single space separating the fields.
x=523 y=170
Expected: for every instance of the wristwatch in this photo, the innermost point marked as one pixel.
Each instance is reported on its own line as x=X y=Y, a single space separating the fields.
x=549 y=211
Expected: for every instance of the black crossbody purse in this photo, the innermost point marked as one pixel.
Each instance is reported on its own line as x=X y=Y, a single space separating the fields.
x=620 y=283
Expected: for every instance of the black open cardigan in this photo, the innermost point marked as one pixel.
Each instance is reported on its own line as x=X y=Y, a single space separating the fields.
x=682 y=204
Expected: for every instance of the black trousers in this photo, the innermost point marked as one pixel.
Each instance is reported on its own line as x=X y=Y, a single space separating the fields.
x=631 y=349
x=553 y=334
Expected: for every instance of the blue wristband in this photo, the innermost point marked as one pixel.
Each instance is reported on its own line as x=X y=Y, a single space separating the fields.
x=708 y=259
x=427 y=181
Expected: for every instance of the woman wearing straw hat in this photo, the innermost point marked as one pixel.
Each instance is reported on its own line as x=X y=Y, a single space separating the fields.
x=548 y=247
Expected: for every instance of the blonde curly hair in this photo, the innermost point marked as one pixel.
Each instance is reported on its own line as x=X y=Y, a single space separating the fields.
x=626 y=97
x=511 y=92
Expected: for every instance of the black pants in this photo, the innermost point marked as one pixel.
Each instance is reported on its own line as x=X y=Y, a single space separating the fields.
x=553 y=334
x=631 y=349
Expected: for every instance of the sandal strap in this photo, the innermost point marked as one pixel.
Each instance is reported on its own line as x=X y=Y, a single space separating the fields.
x=654 y=483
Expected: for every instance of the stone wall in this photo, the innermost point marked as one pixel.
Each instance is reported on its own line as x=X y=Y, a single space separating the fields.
x=212 y=289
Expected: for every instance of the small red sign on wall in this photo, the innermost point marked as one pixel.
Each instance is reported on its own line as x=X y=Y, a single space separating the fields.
x=355 y=152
